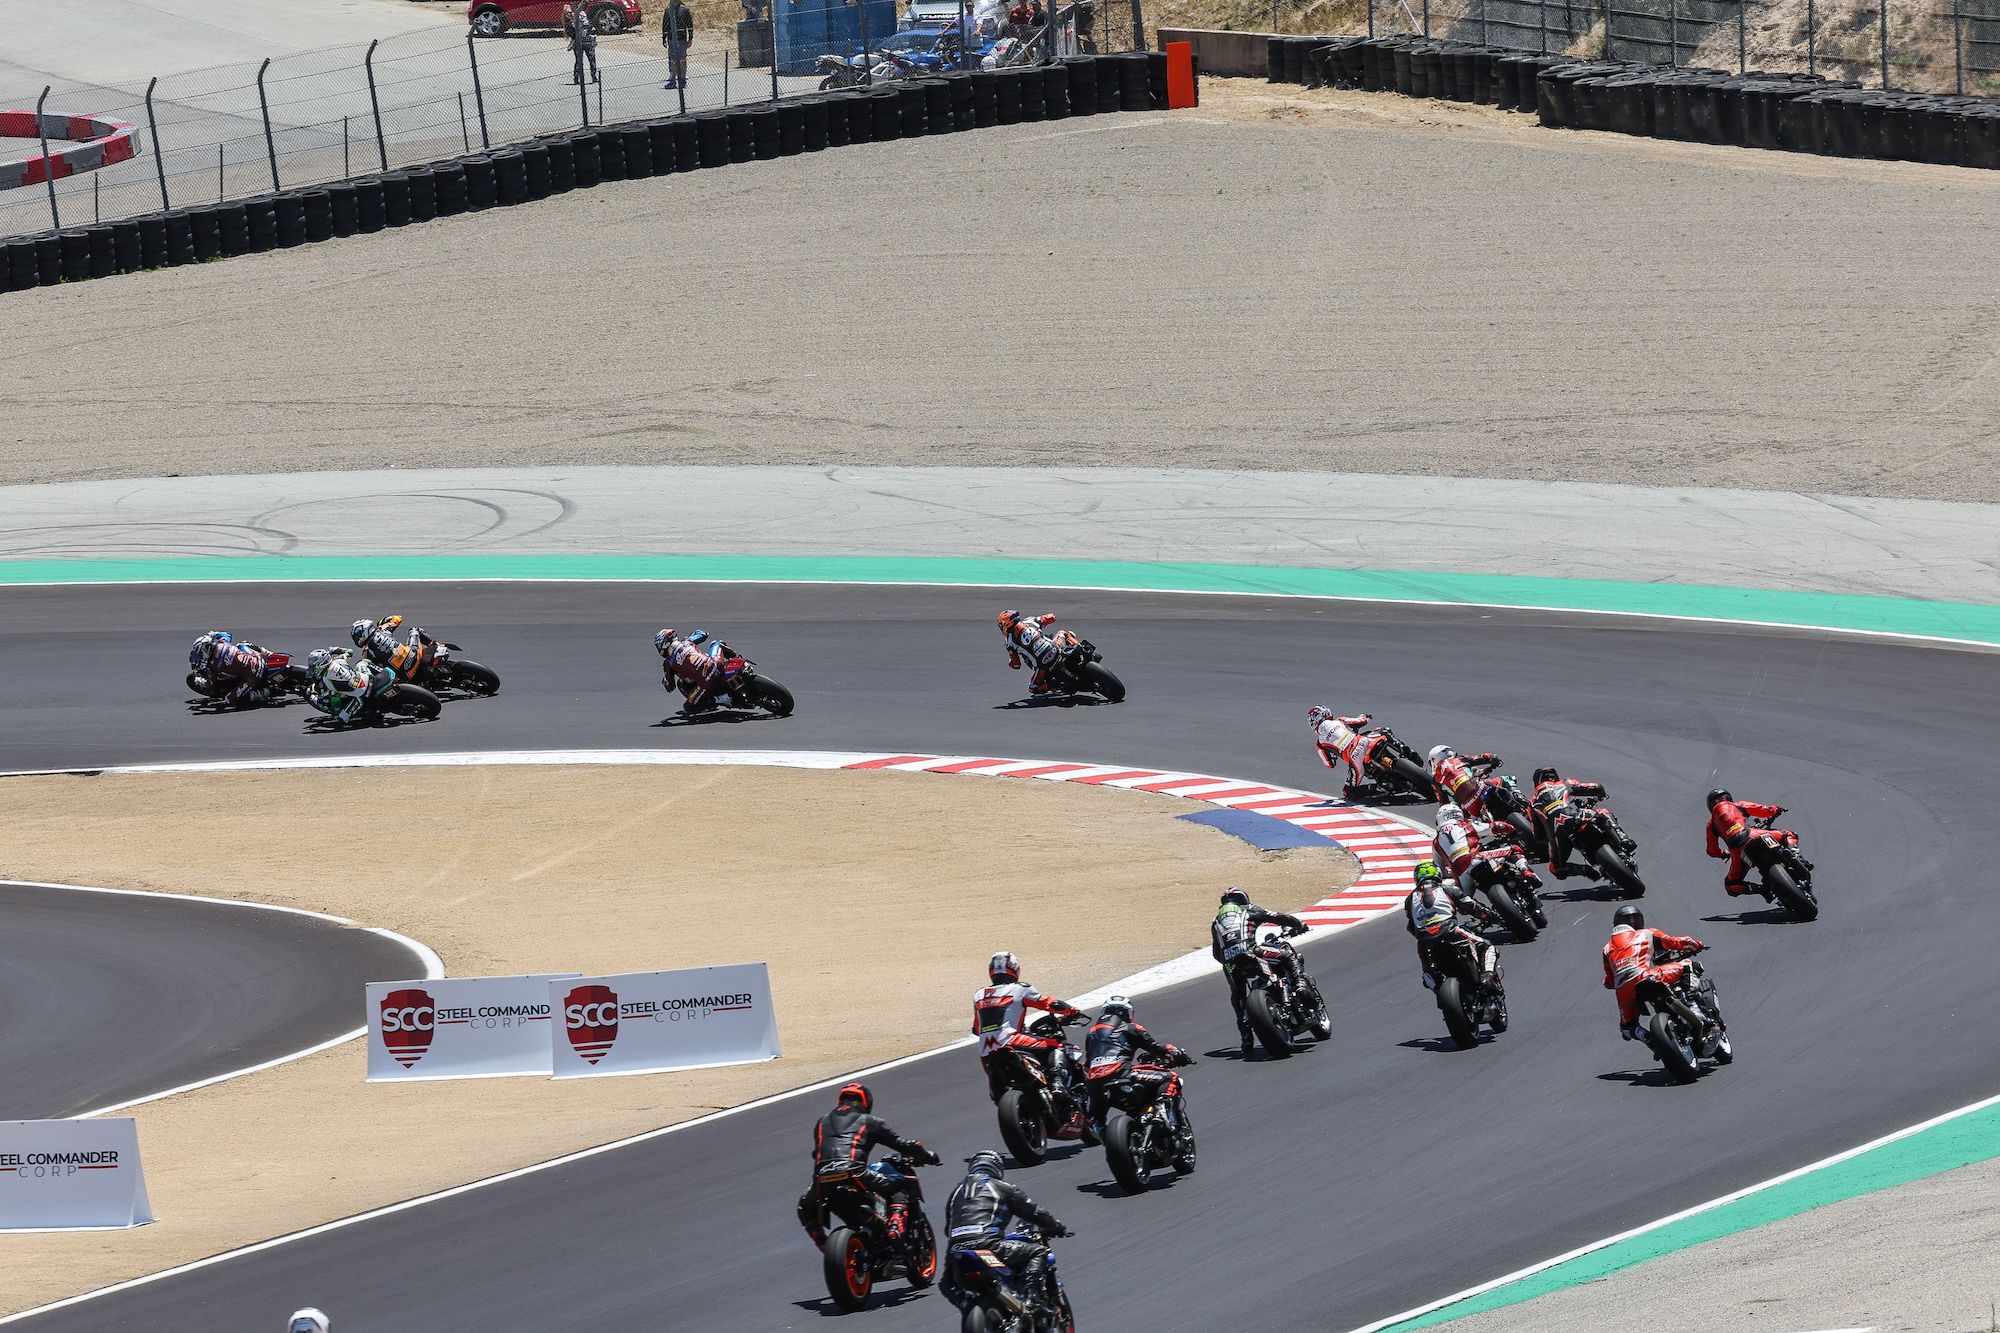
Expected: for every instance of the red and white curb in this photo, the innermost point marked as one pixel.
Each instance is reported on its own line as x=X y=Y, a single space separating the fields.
x=1387 y=847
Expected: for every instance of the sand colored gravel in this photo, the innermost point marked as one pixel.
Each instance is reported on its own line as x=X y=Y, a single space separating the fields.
x=1311 y=281
x=518 y=870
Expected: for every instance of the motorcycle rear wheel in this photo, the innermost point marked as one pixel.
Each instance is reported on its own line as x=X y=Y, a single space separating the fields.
x=1619 y=871
x=1790 y=896
x=1021 y=1128
x=850 y=1278
x=1126 y=1165
x=1093 y=677
x=1451 y=1003
x=1257 y=1007
x=1524 y=826
x=1510 y=914
x=1673 y=1053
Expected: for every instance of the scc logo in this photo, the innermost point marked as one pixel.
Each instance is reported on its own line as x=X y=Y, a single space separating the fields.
x=590 y=1017
x=408 y=1019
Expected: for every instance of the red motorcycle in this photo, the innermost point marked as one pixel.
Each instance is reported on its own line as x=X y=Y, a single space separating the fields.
x=1146 y=1126
x=275 y=673
x=1784 y=874
x=744 y=686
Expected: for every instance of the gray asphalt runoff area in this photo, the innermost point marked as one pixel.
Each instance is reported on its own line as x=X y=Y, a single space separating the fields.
x=1326 y=1180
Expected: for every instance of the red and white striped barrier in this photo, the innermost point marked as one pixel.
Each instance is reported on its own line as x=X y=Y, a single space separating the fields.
x=1386 y=846
x=92 y=142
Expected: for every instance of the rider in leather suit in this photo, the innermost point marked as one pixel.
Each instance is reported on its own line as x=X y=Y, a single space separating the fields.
x=1729 y=833
x=1339 y=740
x=218 y=656
x=692 y=665
x=1025 y=639
x=1553 y=793
x=978 y=1216
x=1436 y=910
x=1232 y=935
x=1109 y=1048
x=377 y=641
x=1456 y=776
x=842 y=1141
x=1631 y=957
x=1000 y=1017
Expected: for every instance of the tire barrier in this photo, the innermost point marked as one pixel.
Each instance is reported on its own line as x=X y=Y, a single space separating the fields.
x=1797 y=113
x=943 y=104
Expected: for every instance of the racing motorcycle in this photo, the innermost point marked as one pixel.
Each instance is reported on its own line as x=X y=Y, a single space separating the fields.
x=384 y=694
x=1394 y=766
x=430 y=664
x=1599 y=839
x=1078 y=669
x=1041 y=1096
x=1146 y=1125
x=1465 y=998
x=275 y=672
x=743 y=686
x=1280 y=998
x=992 y=1298
x=854 y=1259
x=1784 y=872
x=1682 y=1022
x=1510 y=890
x=1503 y=805
x=836 y=72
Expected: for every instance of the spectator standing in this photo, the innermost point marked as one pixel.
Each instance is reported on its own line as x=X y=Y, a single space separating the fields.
x=1017 y=19
x=582 y=40
x=676 y=34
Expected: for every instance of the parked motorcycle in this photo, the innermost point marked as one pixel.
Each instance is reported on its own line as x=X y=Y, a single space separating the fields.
x=276 y=673
x=854 y=1259
x=1682 y=1022
x=1146 y=1125
x=1598 y=838
x=1465 y=997
x=385 y=694
x=1079 y=669
x=1281 y=1000
x=838 y=72
x=1042 y=1094
x=1784 y=874
x=993 y=1298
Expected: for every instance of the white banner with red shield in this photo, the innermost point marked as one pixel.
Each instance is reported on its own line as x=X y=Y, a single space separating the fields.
x=651 y=1022
x=71 y=1175
x=459 y=1027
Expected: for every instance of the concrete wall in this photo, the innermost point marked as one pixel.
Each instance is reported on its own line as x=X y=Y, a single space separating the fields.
x=1230 y=54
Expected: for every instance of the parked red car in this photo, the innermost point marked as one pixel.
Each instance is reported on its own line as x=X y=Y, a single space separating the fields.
x=490 y=18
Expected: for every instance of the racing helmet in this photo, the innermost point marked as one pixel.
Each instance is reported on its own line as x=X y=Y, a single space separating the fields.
x=202 y=653
x=308 y=1320
x=1232 y=894
x=1317 y=714
x=986 y=1163
x=359 y=632
x=1717 y=797
x=1119 y=1005
x=1545 y=774
x=1003 y=966
x=856 y=1094
x=1427 y=872
x=1628 y=917
x=1449 y=813
x=1007 y=620
x=1440 y=753
x=664 y=640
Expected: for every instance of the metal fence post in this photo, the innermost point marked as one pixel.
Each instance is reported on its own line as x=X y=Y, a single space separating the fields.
x=725 y=69
x=867 y=54
x=346 y=162
x=1371 y=18
x=375 y=105
x=1542 y=13
x=774 y=55
x=600 y=100
x=583 y=101
x=1812 y=47
x=264 y=106
x=218 y=174
x=1957 y=53
x=478 y=90
x=48 y=167
x=153 y=128
x=1882 y=8
x=464 y=127
x=1485 y=29
x=1427 y=18
x=1742 y=35
x=1604 y=53
x=1674 y=33
x=1138 y=27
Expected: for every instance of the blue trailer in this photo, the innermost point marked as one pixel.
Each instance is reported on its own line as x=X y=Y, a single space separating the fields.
x=805 y=30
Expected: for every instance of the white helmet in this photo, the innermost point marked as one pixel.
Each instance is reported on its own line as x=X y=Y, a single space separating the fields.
x=1317 y=714
x=1449 y=813
x=1004 y=966
x=1117 y=1004
x=1440 y=753
x=308 y=1320
x=359 y=632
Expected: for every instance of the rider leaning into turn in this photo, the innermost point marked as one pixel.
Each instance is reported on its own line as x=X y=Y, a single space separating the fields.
x=980 y=1214
x=377 y=641
x=340 y=684
x=1729 y=833
x=1476 y=852
x=1232 y=935
x=842 y=1140
x=1025 y=640
x=1000 y=1016
x=218 y=656
x=1110 y=1047
x=1632 y=957
x=1339 y=740
x=1551 y=802
x=693 y=665
x=1456 y=776
x=1436 y=912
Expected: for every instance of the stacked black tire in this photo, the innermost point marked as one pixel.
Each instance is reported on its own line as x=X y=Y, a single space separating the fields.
x=1795 y=112
x=580 y=159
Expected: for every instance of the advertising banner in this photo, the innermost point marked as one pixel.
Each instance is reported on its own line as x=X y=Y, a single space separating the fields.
x=459 y=1027
x=649 y=1022
x=64 y=1175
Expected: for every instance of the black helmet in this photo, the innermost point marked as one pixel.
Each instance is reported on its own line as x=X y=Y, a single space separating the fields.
x=1628 y=915
x=986 y=1163
x=1232 y=894
x=1545 y=774
x=1716 y=796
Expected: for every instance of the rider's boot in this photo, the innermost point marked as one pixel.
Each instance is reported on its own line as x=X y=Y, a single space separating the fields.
x=899 y=1220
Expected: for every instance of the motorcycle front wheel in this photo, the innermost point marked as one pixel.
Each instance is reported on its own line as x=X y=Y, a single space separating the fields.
x=1021 y=1128
x=1510 y=914
x=1619 y=871
x=1093 y=677
x=1451 y=1003
x=922 y=1247
x=849 y=1276
x=474 y=678
x=1126 y=1166
x=1790 y=896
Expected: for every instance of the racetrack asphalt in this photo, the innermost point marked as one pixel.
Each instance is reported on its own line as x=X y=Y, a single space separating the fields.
x=107 y=998
x=1356 y=1180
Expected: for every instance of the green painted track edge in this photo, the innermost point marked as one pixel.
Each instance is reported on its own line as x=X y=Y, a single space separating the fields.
x=1853 y=613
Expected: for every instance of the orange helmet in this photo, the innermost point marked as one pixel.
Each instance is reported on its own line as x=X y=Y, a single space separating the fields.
x=855 y=1094
x=1007 y=621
